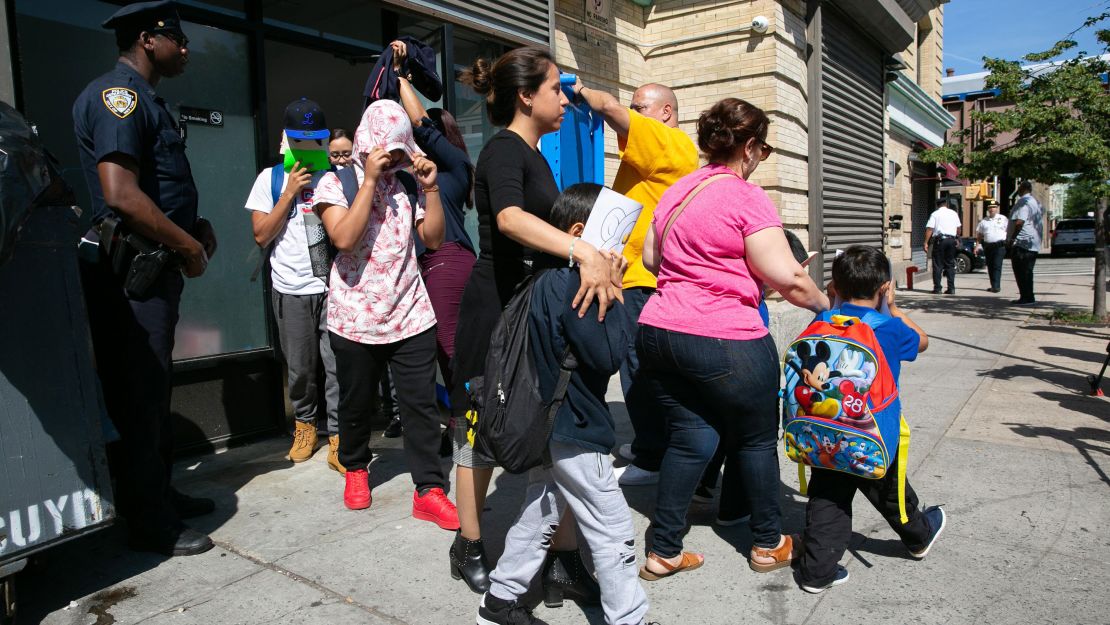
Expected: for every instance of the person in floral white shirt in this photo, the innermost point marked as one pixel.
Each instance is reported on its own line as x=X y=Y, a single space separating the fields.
x=379 y=313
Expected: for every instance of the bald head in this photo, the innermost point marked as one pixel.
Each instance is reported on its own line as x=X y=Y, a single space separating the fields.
x=657 y=102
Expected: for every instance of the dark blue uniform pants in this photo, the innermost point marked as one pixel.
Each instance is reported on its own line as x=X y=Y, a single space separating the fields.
x=944 y=261
x=133 y=343
x=996 y=253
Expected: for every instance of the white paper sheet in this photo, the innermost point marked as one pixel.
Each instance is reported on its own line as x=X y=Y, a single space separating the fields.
x=611 y=221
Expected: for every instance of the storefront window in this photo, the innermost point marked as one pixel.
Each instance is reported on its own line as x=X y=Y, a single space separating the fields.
x=334 y=83
x=355 y=22
x=227 y=7
x=470 y=108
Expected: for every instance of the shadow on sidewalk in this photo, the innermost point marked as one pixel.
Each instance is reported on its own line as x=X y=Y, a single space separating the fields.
x=93 y=564
x=1069 y=330
x=1076 y=354
x=1061 y=377
x=1084 y=439
x=985 y=306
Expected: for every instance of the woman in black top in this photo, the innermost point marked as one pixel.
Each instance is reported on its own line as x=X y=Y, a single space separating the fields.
x=445 y=271
x=514 y=191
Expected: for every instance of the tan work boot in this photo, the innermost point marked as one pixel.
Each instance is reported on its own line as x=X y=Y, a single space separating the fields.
x=304 y=442
x=333 y=454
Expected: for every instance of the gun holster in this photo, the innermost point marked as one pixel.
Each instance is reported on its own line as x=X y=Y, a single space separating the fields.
x=135 y=259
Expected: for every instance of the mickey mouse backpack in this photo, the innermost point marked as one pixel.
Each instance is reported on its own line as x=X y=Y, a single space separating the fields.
x=840 y=405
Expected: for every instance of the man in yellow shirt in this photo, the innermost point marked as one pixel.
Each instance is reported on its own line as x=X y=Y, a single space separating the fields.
x=654 y=155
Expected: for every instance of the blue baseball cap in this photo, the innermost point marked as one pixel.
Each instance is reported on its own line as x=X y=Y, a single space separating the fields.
x=305 y=120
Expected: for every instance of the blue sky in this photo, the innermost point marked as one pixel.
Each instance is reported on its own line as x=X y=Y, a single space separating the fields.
x=1009 y=29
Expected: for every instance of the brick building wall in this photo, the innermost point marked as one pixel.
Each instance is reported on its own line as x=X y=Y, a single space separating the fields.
x=724 y=60
x=704 y=51
x=925 y=67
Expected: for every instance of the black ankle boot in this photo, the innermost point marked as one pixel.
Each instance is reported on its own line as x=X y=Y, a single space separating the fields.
x=565 y=576
x=468 y=563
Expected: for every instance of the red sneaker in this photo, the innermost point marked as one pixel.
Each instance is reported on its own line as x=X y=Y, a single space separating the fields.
x=356 y=495
x=434 y=506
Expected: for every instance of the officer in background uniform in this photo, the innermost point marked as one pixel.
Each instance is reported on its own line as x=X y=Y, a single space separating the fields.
x=134 y=161
x=991 y=233
x=942 y=236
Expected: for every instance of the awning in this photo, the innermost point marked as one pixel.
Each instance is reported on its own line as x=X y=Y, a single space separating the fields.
x=945 y=171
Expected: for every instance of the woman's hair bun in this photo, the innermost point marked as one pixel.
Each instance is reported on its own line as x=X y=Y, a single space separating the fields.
x=479 y=77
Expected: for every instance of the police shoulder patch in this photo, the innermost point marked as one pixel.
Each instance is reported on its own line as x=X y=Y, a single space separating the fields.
x=121 y=101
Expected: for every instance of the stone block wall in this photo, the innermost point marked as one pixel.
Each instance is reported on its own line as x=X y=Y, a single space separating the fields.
x=700 y=49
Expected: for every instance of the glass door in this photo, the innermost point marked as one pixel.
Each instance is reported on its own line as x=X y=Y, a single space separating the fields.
x=223 y=311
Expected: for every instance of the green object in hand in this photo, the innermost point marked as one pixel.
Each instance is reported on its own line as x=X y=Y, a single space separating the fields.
x=314 y=160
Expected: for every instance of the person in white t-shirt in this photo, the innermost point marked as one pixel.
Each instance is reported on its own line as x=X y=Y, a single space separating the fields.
x=991 y=234
x=942 y=236
x=299 y=294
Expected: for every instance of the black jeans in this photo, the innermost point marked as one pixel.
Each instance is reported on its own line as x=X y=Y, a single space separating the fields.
x=1023 y=261
x=714 y=391
x=650 y=427
x=996 y=254
x=413 y=363
x=829 y=518
x=133 y=344
x=944 y=260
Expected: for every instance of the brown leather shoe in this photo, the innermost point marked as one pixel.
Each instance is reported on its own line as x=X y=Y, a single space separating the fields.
x=333 y=455
x=304 y=442
x=781 y=555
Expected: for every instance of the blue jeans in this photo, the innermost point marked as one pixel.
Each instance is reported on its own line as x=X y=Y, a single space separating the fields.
x=647 y=419
x=714 y=391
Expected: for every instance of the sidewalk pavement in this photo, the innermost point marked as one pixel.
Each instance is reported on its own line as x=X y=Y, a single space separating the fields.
x=1002 y=435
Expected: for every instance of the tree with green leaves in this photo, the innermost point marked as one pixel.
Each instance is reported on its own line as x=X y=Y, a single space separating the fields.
x=1058 y=127
x=1082 y=199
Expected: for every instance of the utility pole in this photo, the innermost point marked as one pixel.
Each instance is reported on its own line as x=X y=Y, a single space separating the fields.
x=1100 y=260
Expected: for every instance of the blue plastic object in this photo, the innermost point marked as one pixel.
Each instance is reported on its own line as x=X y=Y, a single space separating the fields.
x=576 y=153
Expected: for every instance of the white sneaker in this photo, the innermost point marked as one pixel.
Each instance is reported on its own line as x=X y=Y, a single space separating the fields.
x=632 y=475
x=625 y=451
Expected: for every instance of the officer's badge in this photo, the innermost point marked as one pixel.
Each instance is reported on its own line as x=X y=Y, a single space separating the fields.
x=120 y=100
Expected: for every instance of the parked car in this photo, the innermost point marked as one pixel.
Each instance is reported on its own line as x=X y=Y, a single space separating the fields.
x=1074 y=236
x=969 y=256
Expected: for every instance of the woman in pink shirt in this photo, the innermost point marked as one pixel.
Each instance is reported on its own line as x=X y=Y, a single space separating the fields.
x=704 y=350
x=379 y=313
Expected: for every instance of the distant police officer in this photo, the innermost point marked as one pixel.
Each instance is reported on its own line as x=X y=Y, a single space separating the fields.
x=942 y=236
x=134 y=162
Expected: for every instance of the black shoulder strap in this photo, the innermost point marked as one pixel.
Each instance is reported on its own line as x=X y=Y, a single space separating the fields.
x=349 y=179
x=566 y=369
x=409 y=182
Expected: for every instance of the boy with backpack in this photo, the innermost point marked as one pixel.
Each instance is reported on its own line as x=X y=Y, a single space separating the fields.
x=844 y=418
x=573 y=357
x=279 y=203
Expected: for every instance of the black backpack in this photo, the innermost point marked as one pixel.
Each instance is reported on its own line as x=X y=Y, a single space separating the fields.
x=513 y=421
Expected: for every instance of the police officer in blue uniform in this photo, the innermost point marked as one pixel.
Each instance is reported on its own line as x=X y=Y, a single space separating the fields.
x=134 y=161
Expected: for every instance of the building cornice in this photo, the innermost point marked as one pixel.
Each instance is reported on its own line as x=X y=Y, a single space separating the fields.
x=915 y=113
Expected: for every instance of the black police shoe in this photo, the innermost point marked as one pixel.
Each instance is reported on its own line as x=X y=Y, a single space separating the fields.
x=190 y=507
x=393 y=430
x=173 y=541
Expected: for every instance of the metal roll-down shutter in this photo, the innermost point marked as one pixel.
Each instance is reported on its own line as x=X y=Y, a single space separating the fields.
x=526 y=20
x=924 y=193
x=851 y=137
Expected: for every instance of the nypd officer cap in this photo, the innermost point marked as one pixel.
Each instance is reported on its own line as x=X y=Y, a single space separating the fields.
x=155 y=17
